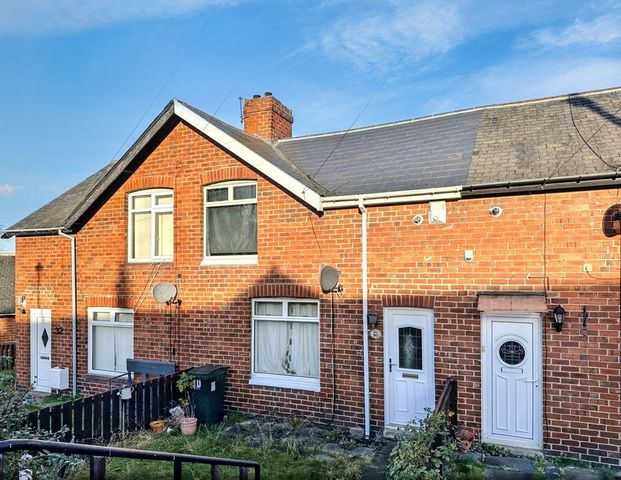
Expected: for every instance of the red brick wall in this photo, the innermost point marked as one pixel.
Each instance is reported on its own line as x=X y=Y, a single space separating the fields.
x=7 y=328
x=420 y=266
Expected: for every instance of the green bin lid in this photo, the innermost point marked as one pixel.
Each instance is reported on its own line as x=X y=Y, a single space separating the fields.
x=208 y=370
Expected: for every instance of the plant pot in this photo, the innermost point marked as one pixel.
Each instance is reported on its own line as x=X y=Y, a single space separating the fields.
x=188 y=425
x=157 y=425
x=464 y=437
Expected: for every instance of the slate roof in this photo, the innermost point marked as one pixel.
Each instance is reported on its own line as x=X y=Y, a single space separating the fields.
x=433 y=152
x=7 y=284
x=499 y=143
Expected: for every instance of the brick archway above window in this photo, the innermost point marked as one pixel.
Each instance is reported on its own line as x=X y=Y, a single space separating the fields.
x=238 y=172
x=414 y=301
x=287 y=290
x=147 y=182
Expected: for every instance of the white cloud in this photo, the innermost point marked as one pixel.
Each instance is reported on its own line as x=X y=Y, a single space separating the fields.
x=6 y=189
x=382 y=37
x=600 y=31
x=530 y=77
x=43 y=16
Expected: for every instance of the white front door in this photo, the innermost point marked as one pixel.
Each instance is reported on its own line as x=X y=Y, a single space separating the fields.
x=512 y=387
x=40 y=348
x=409 y=382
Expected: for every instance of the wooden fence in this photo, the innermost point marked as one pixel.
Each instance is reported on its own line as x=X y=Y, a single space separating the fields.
x=98 y=418
x=7 y=356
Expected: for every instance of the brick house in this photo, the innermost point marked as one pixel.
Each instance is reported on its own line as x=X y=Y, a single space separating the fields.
x=462 y=232
x=7 y=297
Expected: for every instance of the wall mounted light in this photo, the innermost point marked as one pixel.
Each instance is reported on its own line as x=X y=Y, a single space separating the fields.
x=372 y=318
x=559 y=317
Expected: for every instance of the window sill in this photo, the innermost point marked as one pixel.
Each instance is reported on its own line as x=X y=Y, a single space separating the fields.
x=94 y=374
x=310 y=384
x=231 y=260
x=150 y=260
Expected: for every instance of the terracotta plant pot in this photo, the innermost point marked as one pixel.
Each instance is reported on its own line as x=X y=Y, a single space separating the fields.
x=464 y=437
x=188 y=425
x=157 y=425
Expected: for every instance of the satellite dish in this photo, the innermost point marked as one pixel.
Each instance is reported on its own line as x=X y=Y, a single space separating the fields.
x=165 y=292
x=328 y=279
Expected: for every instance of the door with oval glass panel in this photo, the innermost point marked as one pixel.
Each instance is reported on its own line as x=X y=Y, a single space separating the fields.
x=511 y=383
x=409 y=382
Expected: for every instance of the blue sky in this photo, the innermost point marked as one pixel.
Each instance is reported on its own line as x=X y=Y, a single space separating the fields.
x=77 y=77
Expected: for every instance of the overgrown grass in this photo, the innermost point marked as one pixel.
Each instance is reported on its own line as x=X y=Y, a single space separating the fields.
x=278 y=462
x=48 y=401
x=466 y=469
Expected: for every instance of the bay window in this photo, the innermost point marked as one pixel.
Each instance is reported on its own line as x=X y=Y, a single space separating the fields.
x=285 y=343
x=110 y=339
x=150 y=225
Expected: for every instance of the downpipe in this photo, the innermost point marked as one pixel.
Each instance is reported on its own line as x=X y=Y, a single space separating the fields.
x=365 y=327
x=74 y=310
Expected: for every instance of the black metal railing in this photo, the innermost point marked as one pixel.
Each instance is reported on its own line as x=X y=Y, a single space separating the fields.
x=7 y=356
x=98 y=455
x=98 y=418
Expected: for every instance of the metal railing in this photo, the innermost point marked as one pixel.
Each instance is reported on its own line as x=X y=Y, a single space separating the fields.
x=98 y=456
x=448 y=401
x=7 y=355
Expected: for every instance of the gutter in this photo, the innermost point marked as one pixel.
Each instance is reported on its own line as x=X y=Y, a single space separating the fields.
x=365 y=327
x=74 y=310
x=536 y=185
x=388 y=198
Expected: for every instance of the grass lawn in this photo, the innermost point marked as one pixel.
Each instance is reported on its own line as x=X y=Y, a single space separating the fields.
x=278 y=461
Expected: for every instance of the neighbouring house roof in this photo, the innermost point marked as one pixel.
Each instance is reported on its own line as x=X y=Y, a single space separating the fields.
x=7 y=284
x=556 y=139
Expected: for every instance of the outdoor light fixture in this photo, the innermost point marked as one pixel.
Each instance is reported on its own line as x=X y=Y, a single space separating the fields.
x=559 y=317
x=372 y=318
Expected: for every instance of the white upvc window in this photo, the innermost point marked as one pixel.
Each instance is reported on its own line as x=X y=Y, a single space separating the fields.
x=110 y=340
x=230 y=223
x=150 y=226
x=285 y=343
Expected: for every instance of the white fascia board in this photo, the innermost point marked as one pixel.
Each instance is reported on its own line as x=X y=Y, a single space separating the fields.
x=295 y=187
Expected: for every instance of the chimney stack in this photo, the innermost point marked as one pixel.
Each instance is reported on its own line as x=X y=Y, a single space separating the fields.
x=266 y=117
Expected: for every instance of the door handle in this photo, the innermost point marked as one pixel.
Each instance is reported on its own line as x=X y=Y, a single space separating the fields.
x=390 y=364
x=531 y=381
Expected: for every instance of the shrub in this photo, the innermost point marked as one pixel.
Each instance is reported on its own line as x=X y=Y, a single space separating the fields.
x=14 y=408
x=425 y=447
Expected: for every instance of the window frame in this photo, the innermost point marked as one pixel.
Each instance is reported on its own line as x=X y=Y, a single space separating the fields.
x=244 y=259
x=113 y=322
x=153 y=210
x=285 y=381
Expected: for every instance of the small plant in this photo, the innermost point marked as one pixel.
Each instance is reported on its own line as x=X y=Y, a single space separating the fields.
x=426 y=446
x=186 y=385
x=490 y=449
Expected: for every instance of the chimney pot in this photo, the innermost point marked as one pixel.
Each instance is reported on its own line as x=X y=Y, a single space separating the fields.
x=256 y=95
x=268 y=94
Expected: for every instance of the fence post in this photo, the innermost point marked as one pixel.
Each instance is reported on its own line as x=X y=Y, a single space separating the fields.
x=1 y=466
x=177 y=470
x=98 y=468
x=215 y=472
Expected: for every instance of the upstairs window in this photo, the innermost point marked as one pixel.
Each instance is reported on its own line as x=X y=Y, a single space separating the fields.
x=151 y=225
x=231 y=222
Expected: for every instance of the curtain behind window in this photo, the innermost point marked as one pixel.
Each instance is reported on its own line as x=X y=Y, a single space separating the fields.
x=232 y=230
x=142 y=235
x=287 y=348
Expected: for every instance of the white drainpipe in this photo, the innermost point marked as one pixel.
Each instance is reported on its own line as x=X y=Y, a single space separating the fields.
x=74 y=310
x=365 y=328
